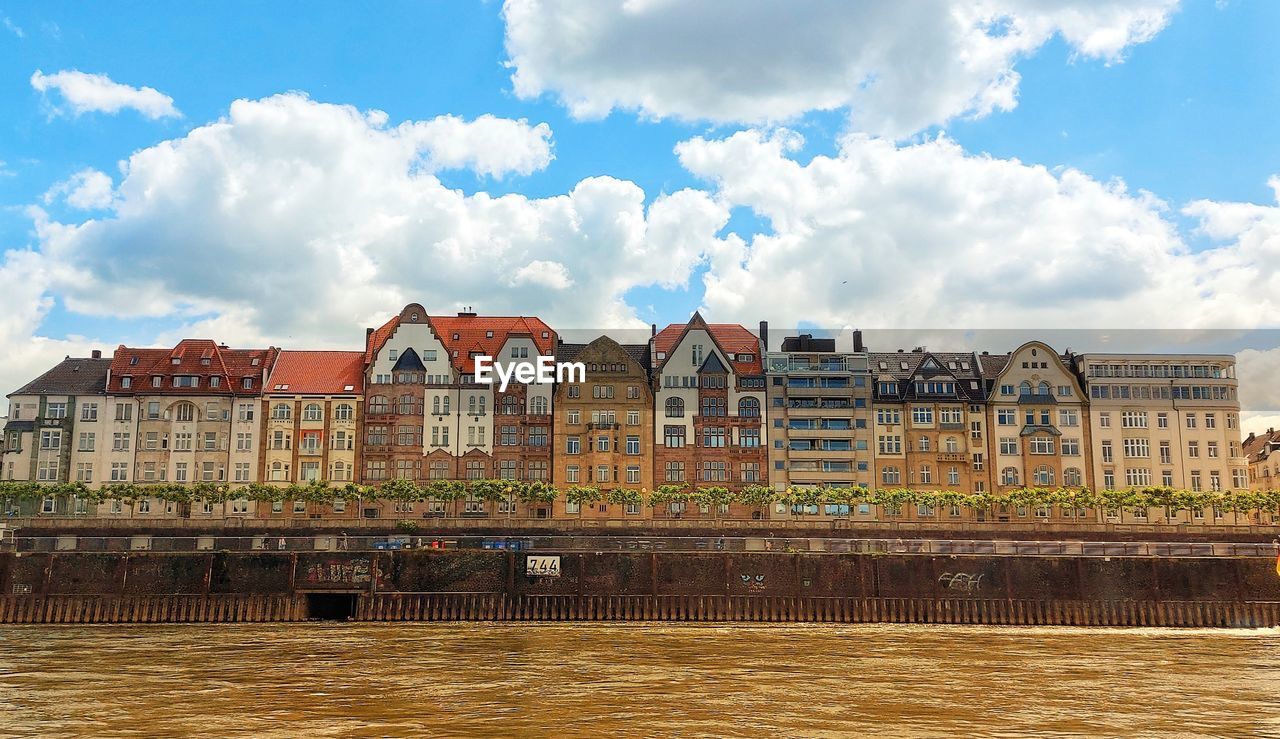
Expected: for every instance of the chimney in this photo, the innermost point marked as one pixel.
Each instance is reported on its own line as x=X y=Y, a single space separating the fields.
x=367 y=333
x=764 y=335
x=857 y=341
x=653 y=330
x=96 y=354
x=466 y=313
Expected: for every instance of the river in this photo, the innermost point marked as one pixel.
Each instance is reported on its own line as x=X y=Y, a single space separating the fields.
x=314 y=680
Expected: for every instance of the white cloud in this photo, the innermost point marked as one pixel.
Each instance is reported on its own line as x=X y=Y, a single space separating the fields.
x=87 y=189
x=488 y=145
x=899 y=66
x=87 y=93
x=13 y=28
x=928 y=236
x=300 y=222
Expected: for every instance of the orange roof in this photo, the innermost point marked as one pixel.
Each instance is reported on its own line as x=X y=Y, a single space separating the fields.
x=486 y=335
x=201 y=358
x=732 y=339
x=317 y=373
x=373 y=343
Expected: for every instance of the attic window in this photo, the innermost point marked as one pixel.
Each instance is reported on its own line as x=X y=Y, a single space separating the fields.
x=951 y=365
x=964 y=365
x=904 y=365
x=133 y=360
x=732 y=356
x=348 y=387
x=973 y=385
x=884 y=365
x=176 y=360
x=280 y=387
x=745 y=357
x=488 y=334
x=247 y=383
x=255 y=361
x=662 y=355
x=204 y=361
x=455 y=338
x=413 y=316
x=546 y=334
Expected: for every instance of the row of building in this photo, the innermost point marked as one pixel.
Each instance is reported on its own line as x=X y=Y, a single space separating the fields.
x=700 y=404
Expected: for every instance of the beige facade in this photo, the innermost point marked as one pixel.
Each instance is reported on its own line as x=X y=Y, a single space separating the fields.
x=1167 y=420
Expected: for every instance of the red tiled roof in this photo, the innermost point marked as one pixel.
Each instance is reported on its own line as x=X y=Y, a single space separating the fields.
x=202 y=358
x=317 y=373
x=473 y=336
x=373 y=343
x=732 y=339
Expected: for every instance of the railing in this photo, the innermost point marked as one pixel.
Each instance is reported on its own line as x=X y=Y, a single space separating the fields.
x=330 y=542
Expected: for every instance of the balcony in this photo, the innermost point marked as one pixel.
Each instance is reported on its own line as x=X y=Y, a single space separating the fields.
x=603 y=426
x=953 y=457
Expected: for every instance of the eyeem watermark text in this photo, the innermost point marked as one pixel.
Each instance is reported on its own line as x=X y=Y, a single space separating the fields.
x=542 y=369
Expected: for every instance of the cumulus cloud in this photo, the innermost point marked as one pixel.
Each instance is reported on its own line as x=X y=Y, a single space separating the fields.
x=89 y=93
x=302 y=222
x=87 y=189
x=927 y=235
x=898 y=66
x=488 y=145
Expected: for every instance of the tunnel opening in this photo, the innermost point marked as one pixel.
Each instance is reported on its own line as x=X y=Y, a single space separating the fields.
x=331 y=606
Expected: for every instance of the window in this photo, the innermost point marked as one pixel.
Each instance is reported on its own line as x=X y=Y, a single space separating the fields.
x=1009 y=476
x=750 y=471
x=953 y=476
x=950 y=416
x=674 y=436
x=633 y=445
x=890 y=444
x=312 y=412
x=714 y=472
x=1007 y=417
x=182 y=441
x=124 y=412
x=1193 y=449
x=675 y=472
x=1070 y=447
x=1009 y=445
x=924 y=443
x=1211 y=449
x=1191 y=420
x=573 y=445
x=1041 y=445
x=538 y=406
x=344 y=412
x=120 y=441
x=713 y=436
x=1134 y=419
x=1137 y=476
x=888 y=416
x=891 y=475
x=926 y=474
x=242 y=472
x=922 y=415
x=1137 y=448
x=1106 y=452
x=714 y=407
x=749 y=408
x=379 y=404
x=749 y=438
x=508 y=436
x=1104 y=420
x=244 y=442
x=1043 y=475
x=375 y=469
x=1071 y=477
x=538 y=436
x=602 y=391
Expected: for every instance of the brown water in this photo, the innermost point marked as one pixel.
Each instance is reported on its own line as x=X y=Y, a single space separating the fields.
x=314 y=680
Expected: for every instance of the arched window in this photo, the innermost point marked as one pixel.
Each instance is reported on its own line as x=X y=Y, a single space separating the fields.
x=1024 y=388
x=749 y=408
x=339 y=471
x=1044 y=475
x=435 y=406
x=1071 y=477
x=281 y=412
x=344 y=412
x=446 y=406
x=952 y=446
x=312 y=412
x=675 y=408
x=538 y=405
x=1044 y=389
x=185 y=412
x=406 y=406
x=471 y=404
x=924 y=443
x=379 y=404
x=891 y=475
x=1009 y=476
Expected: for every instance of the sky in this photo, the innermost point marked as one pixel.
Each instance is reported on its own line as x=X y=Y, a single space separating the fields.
x=291 y=173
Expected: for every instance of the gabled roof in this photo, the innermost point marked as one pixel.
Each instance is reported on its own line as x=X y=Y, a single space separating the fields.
x=409 y=361
x=713 y=365
x=202 y=358
x=731 y=338
x=317 y=373
x=479 y=334
x=71 y=376
x=487 y=335
x=906 y=367
x=638 y=353
x=1258 y=447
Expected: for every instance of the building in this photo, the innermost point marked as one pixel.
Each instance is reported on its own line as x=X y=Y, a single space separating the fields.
x=1168 y=420
x=190 y=414
x=603 y=427
x=427 y=418
x=55 y=431
x=1264 y=463
x=311 y=406
x=819 y=408
x=930 y=425
x=709 y=409
x=1038 y=415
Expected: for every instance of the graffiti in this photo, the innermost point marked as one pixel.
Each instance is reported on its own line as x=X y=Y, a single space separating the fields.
x=960 y=581
x=753 y=582
x=338 y=572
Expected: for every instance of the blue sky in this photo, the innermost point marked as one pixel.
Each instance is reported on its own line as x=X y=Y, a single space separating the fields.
x=1187 y=114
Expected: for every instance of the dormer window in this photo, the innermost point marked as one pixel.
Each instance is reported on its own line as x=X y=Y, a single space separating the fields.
x=155 y=381
x=745 y=357
x=133 y=360
x=488 y=334
x=215 y=381
x=205 y=361
x=176 y=360
x=456 y=337
x=125 y=382
x=246 y=383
